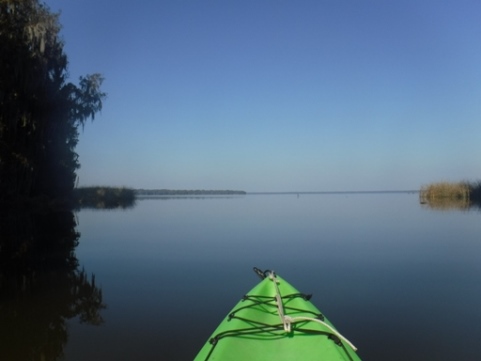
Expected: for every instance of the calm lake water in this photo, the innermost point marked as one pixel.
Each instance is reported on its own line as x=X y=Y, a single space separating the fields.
x=399 y=280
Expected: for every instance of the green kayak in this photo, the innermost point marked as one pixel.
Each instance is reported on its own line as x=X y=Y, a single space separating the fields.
x=274 y=321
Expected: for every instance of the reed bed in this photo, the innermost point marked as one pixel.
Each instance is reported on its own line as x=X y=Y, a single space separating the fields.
x=447 y=195
x=104 y=197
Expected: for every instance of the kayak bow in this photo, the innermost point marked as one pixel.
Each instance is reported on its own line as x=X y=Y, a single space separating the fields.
x=274 y=321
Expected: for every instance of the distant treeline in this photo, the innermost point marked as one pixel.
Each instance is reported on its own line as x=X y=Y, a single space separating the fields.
x=170 y=192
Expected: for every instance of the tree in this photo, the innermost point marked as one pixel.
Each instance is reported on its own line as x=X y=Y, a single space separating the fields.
x=40 y=111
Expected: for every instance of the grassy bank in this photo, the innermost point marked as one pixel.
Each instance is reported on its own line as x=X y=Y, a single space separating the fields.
x=104 y=197
x=446 y=195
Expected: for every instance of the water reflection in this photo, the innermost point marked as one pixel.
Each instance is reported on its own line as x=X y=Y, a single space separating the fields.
x=448 y=204
x=41 y=285
x=186 y=197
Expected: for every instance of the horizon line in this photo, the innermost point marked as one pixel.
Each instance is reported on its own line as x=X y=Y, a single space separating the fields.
x=333 y=192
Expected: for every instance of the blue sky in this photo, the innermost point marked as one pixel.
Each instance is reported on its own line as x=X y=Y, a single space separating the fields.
x=272 y=95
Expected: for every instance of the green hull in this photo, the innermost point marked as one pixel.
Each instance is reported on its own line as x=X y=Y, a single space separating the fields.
x=274 y=321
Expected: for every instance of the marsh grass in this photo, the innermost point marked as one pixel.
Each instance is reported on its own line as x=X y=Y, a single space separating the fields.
x=446 y=195
x=104 y=197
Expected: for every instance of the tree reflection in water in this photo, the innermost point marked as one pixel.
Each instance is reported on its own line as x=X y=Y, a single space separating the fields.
x=41 y=285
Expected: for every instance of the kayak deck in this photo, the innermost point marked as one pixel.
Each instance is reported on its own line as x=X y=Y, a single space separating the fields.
x=274 y=321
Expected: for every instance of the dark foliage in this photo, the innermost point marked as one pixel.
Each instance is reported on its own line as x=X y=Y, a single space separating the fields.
x=40 y=111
